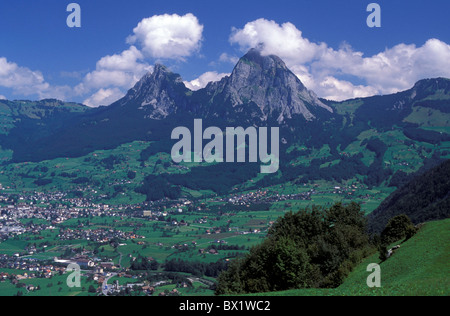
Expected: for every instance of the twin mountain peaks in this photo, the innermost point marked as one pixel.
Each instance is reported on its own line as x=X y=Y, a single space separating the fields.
x=261 y=87
x=261 y=91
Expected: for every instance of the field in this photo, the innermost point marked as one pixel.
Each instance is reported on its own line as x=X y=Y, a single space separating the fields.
x=427 y=117
x=231 y=233
x=112 y=176
x=191 y=234
x=55 y=286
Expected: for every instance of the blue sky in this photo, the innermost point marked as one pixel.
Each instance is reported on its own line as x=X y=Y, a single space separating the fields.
x=326 y=43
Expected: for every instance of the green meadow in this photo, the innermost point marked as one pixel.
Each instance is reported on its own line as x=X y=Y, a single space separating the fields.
x=55 y=286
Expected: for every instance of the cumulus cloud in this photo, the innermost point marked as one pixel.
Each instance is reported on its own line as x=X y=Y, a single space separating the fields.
x=20 y=79
x=390 y=71
x=283 y=40
x=120 y=71
x=225 y=58
x=104 y=97
x=321 y=68
x=168 y=36
x=113 y=73
x=26 y=82
x=341 y=89
x=2 y=97
x=161 y=36
x=64 y=93
x=204 y=79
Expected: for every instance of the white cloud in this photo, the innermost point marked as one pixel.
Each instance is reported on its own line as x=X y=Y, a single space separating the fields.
x=125 y=61
x=104 y=97
x=20 y=79
x=285 y=41
x=228 y=59
x=320 y=67
x=113 y=73
x=160 y=36
x=163 y=36
x=204 y=79
x=2 y=97
x=121 y=70
x=25 y=82
x=168 y=36
x=335 y=89
x=392 y=70
x=64 y=93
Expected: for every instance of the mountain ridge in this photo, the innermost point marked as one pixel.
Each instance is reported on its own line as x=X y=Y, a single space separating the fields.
x=261 y=91
x=260 y=85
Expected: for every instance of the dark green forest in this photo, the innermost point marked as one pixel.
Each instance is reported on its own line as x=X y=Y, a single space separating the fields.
x=424 y=198
x=313 y=248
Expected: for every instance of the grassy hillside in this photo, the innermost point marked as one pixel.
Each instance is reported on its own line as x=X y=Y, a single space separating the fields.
x=419 y=268
x=102 y=176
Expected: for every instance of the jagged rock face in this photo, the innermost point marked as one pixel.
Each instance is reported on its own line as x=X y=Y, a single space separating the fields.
x=261 y=88
x=158 y=94
x=268 y=83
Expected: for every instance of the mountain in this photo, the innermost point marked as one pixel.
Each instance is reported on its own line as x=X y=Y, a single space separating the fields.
x=14 y=114
x=376 y=140
x=423 y=199
x=25 y=122
x=157 y=95
x=266 y=89
x=261 y=87
x=384 y=111
x=137 y=116
x=260 y=91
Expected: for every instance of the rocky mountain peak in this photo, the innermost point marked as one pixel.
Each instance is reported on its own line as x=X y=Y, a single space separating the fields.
x=260 y=89
x=266 y=82
x=267 y=62
x=158 y=94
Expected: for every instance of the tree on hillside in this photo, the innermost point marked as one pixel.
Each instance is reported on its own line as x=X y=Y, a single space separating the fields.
x=399 y=227
x=311 y=248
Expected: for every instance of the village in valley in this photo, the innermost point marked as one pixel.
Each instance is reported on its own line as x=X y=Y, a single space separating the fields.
x=152 y=248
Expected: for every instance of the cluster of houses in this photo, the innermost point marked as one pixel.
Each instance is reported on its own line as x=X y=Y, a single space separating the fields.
x=32 y=268
x=263 y=196
x=56 y=208
x=144 y=287
x=33 y=207
x=100 y=235
x=100 y=272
